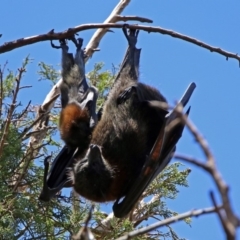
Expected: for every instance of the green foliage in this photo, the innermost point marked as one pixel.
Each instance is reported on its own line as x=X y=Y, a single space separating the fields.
x=48 y=72
x=8 y=85
x=23 y=216
x=102 y=80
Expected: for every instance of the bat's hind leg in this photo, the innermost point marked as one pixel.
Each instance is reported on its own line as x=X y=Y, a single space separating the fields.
x=131 y=36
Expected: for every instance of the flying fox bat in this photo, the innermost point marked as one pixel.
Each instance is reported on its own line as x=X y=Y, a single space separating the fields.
x=77 y=119
x=132 y=143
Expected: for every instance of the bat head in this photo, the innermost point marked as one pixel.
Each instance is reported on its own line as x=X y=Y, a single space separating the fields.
x=91 y=175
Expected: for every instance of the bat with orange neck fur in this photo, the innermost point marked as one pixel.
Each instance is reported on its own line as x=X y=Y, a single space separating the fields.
x=77 y=119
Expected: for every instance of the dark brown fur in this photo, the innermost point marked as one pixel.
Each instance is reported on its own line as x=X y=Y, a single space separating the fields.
x=122 y=139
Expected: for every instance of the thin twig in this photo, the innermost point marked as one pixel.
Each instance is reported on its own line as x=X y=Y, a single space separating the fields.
x=84 y=232
x=1 y=91
x=30 y=155
x=231 y=221
x=133 y=18
x=11 y=109
x=219 y=212
x=192 y=161
x=25 y=130
x=29 y=86
x=24 y=111
x=168 y=221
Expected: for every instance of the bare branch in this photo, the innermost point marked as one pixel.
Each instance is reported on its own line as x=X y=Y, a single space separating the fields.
x=30 y=155
x=84 y=232
x=29 y=86
x=8 y=46
x=220 y=216
x=230 y=220
x=192 y=161
x=199 y=138
x=25 y=130
x=11 y=109
x=133 y=18
x=138 y=216
x=24 y=111
x=105 y=224
x=98 y=35
x=1 y=91
x=168 y=221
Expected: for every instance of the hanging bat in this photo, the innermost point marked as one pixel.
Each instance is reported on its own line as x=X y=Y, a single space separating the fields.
x=132 y=143
x=77 y=119
x=74 y=90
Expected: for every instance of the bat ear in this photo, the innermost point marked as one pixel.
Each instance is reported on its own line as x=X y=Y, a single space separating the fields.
x=57 y=178
x=188 y=93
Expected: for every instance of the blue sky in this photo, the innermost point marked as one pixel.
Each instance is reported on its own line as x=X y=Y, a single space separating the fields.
x=168 y=64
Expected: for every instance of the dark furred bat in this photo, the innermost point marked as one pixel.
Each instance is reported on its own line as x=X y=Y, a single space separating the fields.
x=77 y=119
x=132 y=143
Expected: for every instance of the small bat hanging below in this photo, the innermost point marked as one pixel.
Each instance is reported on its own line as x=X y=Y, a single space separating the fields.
x=77 y=119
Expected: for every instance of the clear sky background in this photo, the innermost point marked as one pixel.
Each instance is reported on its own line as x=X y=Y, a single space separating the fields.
x=167 y=63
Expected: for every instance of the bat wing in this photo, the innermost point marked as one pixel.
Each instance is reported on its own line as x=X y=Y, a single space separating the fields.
x=158 y=159
x=57 y=178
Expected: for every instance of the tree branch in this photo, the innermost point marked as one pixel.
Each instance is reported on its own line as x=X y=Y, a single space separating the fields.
x=85 y=232
x=1 y=90
x=229 y=220
x=192 y=161
x=11 y=109
x=98 y=35
x=8 y=46
x=168 y=221
x=133 y=18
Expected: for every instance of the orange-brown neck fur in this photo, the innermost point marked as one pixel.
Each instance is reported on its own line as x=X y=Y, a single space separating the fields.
x=74 y=125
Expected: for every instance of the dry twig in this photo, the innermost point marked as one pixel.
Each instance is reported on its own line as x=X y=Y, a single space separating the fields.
x=85 y=233
x=11 y=109
x=229 y=220
x=132 y=18
x=168 y=221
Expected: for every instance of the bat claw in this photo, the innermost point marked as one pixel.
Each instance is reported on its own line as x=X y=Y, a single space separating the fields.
x=131 y=35
x=63 y=44
x=78 y=42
